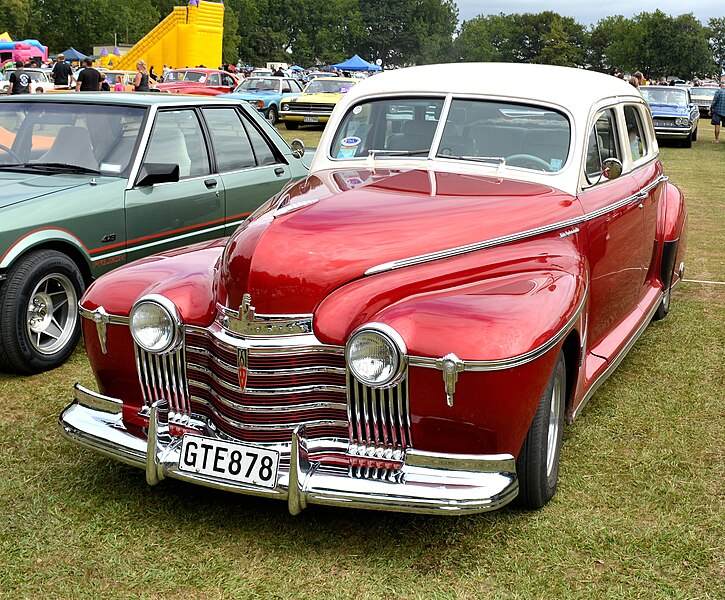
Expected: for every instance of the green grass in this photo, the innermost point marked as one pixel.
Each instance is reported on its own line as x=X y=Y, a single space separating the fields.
x=639 y=512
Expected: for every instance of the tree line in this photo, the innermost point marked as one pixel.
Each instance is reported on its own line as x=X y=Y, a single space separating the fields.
x=399 y=32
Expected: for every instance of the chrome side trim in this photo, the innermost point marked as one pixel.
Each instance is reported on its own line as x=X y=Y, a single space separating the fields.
x=506 y=363
x=514 y=237
x=619 y=358
x=112 y=319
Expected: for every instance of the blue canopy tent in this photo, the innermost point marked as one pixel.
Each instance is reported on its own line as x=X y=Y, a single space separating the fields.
x=356 y=64
x=72 y=55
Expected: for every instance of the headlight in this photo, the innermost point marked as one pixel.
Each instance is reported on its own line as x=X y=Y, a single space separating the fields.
x=155 y=324
x=376 y=355
x=285 y=107
x=682 y=121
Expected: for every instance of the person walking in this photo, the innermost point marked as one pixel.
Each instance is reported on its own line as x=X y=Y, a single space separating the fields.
x=19 y=80
x=89 y=80
x=141 y=81
x=717 y=110
x=62 y=74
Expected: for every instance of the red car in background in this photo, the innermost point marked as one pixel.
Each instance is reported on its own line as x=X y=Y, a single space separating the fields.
x=202 y=82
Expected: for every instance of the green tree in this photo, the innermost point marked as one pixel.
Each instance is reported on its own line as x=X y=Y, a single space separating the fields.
x=716 y=35
x=15 y=17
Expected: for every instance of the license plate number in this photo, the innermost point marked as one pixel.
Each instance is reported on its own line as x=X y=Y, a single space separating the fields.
x=229 y=460
x=311 y=119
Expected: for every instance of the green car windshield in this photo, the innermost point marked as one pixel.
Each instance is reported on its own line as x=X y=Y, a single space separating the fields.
x=89 y=137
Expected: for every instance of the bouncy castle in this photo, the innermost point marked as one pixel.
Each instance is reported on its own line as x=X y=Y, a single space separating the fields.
x=25 y=50
x=190 y=36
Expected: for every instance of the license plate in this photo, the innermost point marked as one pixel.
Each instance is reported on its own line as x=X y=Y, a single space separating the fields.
x=311 y=119
x=228 y=460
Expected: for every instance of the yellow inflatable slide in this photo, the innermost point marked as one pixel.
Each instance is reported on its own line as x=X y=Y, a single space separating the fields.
x=190 y=36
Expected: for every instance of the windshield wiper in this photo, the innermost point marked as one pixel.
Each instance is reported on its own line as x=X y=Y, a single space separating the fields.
x=374 y=153
x=57 y=166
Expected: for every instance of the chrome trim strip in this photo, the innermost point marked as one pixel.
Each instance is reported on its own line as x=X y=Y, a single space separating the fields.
x=514 y=237
x=246 y=322
x=618 y=359
x=514 y=361
x=111 y=319
x=278 y=391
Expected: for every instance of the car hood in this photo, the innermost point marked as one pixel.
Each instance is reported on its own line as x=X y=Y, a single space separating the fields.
x=318 y=98
x=252 y=94
x=330 y=228
x=668 y=110
x=19 y=187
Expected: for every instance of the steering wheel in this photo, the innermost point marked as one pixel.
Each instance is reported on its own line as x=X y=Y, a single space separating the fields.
x=10 y=152
x=528 y=161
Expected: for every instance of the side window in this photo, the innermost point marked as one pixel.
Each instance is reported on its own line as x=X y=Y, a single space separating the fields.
x=635 y=131
x=602 y=144
x=214 y=79
x=296 y=87
x=262 y=150
x=176 y=138
x=232 y=147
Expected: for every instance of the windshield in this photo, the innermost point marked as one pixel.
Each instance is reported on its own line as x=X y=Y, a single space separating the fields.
x=87 y=136
x=186 y=76
x=499 y=133
x=35 y=76
x=664 y=95
x=703 y=92
x=259 y=84
x=328 y=86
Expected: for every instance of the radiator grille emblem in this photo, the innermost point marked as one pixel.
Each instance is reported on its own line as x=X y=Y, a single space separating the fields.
x=242 y=367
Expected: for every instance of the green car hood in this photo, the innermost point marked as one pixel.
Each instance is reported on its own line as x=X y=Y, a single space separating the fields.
x=19 y=187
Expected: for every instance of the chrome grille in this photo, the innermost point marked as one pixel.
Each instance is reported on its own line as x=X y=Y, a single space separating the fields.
x=379 y=420
x=285 y=387
x=311 y=107
x=163 y=377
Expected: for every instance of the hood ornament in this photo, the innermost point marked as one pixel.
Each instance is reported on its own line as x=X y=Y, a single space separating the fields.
x=247 y=322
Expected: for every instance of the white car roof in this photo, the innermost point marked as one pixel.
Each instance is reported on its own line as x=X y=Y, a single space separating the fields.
x=576 y=92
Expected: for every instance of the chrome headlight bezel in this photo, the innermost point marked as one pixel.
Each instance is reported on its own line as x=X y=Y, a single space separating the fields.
x=165 y=309
x=390 y=340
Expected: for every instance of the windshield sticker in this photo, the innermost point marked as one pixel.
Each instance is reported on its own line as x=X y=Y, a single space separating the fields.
x=357 y=110
x=555 y=164
x=349 y=147
x=109 y=168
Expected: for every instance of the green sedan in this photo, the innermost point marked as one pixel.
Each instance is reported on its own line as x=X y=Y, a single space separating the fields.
x=89 y=182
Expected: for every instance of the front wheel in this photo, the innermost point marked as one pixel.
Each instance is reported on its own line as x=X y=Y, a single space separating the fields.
x=537 y=465
x=39 y=321
x=687 y=142
x=694 y=135
x=664 y=308
x=272 y=115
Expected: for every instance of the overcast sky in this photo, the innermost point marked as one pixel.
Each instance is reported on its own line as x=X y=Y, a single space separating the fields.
x=588 y=13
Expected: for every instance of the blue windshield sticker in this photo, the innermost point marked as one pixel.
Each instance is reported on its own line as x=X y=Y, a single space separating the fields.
x=555 y=164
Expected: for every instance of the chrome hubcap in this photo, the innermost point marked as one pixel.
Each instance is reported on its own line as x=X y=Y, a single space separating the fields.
x=554 y=426
x=51 y=315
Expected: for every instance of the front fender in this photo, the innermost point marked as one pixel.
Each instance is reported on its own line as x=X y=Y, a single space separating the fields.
x=44 y=236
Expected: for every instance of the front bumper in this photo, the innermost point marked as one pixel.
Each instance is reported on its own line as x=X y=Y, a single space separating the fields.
x=428 y=482
x=304 y=117
x=672 y=132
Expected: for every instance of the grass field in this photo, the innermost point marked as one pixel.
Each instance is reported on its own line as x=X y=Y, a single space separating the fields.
x=639 y=512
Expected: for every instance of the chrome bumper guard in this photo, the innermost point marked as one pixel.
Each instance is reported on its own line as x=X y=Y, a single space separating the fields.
x=428 y=482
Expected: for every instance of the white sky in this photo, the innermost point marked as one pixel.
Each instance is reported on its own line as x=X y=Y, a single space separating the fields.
x=588 y=12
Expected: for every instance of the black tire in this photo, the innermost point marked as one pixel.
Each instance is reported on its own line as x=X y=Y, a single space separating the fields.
x=537 y=465
x=39 y=320
x=694 y=135
x=664 y=306
x=687 y=142
x=291 y=124
x=272 y=114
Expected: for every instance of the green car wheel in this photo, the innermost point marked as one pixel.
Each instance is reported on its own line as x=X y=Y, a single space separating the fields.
x=39 y=321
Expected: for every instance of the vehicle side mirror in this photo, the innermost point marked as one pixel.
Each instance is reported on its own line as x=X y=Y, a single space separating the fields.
x=153 y=173
x=232 y=88
x=611 y=168
x=298 y=148
x=286 y=90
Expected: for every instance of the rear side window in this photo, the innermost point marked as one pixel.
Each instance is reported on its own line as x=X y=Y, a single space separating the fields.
x=637 y=141
x=232 y=147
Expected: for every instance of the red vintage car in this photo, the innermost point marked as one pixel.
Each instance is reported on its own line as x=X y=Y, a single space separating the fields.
x=409 y=327
x=199 y=81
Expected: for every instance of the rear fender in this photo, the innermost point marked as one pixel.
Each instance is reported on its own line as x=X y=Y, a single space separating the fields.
x=672 y=231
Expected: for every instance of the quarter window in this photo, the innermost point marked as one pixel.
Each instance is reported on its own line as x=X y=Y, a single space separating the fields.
x=602 y=145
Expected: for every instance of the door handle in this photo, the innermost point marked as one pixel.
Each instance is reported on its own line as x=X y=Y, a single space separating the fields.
x=210 y=183
x=279 y=171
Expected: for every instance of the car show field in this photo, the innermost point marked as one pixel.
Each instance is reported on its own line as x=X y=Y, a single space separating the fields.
x=638 y=512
